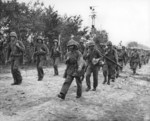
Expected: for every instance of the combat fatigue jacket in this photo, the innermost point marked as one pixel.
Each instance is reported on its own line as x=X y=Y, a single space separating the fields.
x=40 y=54
x=15 y=53
x=74 y=61
x=55 y=55
x=135 y=60
x=91 y=68
x=110 y=66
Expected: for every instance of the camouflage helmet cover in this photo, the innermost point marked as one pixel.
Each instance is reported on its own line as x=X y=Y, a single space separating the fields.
x=39 y=38
x=72 y=43
x=55 y=40
x=13 y=34
x=91 y=43
x=109 y=43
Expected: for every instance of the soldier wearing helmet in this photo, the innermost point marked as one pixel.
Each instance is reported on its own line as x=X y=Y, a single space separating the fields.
x=74 y=62
x=2 y=45
x=121 y=58
x=15 y=52
x=134 y=60
x=109 y=67
x=40 y=53
x=92 y=54
x=55 y=55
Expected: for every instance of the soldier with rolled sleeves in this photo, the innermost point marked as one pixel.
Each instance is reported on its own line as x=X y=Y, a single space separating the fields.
x=92 y=54
x=40 y=53
x=135 y=60
x=74 y=61
x=109 y=66
x=55 y=55
x=15 y=52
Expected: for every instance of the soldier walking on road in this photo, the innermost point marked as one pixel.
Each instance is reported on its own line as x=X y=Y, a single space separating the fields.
x=15 y=52
x=74 y=61
x=109 y=66
x=40 y=53
x=91 y=55
x=55 y=55
x=120 y=60
x=135 y=60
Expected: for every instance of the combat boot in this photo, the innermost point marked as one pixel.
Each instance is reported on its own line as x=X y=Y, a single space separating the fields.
x=105 y=80
x=62 y=96
x=134 y=71
x=108 y=82
x=87 y=89
x=78 y=96
x=94 y=89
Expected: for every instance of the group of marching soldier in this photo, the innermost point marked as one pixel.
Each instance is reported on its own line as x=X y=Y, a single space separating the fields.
x=82 y=59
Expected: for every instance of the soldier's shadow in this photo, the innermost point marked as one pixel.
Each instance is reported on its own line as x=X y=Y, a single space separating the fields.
x=145 y=77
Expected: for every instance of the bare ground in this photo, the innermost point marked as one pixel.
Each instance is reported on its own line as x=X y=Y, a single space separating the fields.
x=128 y=99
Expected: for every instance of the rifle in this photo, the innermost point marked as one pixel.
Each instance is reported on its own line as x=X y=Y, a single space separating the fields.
x=95 y=61
x=111 y=60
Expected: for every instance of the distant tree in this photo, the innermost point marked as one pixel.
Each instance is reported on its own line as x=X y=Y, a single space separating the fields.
x=132 y=44
x=101 y=37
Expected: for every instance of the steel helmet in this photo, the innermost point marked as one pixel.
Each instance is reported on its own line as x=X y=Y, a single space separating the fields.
x=91 y=43
x=39 y=38
x=119 y=47
x=55 y=40
x=109 y=43
x=72 y=42
x=13 y=34
x=123 y=47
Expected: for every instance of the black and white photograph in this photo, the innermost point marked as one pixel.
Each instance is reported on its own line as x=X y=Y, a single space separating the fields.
x=74 y=60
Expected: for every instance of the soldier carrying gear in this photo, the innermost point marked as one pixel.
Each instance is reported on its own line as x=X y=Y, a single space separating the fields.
x=109 y=43
x=15 y=52
x=92 y=54
x=120 y=60
x=40 y=53
x=74 y=61
x=55 y=55
x=2 y=44
x=135 y=60
x=109 y=68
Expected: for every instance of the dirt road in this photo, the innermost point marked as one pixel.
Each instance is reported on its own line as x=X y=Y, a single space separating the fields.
x=128 y=99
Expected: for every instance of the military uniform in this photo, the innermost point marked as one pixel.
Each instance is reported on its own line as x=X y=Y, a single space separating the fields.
x=91 y=68
x=121 y=60
x=40 y=53
x=134 y=60
x=109 y=67
x=55 y=55
x=15 y=52
x=74 y=63
x=125 y=55
x=2 y=59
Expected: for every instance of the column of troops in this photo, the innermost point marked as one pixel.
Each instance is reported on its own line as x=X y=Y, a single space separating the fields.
x=83 y=59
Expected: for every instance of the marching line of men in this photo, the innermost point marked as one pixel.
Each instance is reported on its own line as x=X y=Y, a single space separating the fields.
x=80 y=60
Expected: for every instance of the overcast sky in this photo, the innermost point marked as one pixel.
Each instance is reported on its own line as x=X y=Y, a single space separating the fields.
x=126 y=20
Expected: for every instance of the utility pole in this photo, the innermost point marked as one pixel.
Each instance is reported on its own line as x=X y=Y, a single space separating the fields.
x=93 y=15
